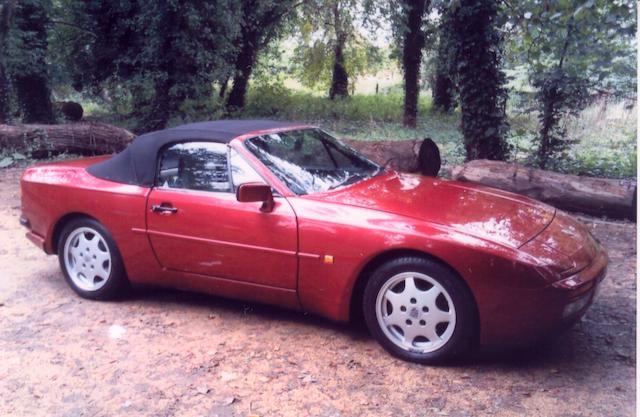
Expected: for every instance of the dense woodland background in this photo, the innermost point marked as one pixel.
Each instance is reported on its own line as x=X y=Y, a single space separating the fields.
x=544 y=83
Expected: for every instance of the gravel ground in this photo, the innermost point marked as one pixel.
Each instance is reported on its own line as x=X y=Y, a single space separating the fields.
x=165 y=353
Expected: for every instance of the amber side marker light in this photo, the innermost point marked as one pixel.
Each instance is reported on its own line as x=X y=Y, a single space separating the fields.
x=328 y=259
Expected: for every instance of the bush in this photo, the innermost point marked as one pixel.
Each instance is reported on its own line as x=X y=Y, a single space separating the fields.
x=560 y=96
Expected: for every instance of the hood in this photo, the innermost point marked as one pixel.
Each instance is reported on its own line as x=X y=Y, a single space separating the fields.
x=487 y=213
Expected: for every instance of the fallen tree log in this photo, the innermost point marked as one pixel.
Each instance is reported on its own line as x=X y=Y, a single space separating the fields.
x=596 y=196
x=40 y=141
x=416 y=155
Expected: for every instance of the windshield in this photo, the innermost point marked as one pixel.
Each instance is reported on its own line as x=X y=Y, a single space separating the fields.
x=310 y=160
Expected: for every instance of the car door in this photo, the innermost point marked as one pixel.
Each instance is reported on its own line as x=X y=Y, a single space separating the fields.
x=195 y=224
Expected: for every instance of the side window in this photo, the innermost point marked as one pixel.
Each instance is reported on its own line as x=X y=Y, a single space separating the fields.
x=241 y=171
x=199 y=166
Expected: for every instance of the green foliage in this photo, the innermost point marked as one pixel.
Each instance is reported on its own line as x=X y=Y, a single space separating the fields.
x=411 y=30
x=571 y=50
x=605 y=133
x=314 y=60
x=27 y=43
x=561 y=95
x=268 y=99
x=480 y=78
x=330 y=50
x=443 y=86
x=593 y=39
x=275 y=100
x=26 y=60
x=604 y=136
x=165 y=53
x=7 y=9
x=261 y=22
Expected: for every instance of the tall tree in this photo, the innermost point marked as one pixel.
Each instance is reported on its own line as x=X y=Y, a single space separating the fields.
x=570 y=49
x=444 y=78
x=330 y=50
x=27 y=60
x=409 y=24
x=339 y=77
x=412 y=46
x=329 y=37
x=181 y=62
x=480 y=78
x=164 y=54
x=261 y=22
x=6 y=17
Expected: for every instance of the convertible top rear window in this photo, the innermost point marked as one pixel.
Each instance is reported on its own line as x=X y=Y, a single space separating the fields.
x=310 y=160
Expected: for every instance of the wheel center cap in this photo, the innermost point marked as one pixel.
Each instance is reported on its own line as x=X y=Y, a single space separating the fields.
x=414 y=313
x=87 y=258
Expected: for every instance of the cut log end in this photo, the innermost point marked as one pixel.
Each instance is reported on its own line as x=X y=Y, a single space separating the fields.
x=414 y=155
x=429 y=160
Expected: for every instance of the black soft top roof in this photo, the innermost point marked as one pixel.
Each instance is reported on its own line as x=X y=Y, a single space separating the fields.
x=137 y=163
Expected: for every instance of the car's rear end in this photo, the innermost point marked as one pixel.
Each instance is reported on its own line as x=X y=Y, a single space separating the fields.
x=53 y=193
x=46 y=194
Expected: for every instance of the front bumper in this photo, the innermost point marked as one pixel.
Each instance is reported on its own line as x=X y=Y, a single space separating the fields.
x=535 y=314
x=583 y=288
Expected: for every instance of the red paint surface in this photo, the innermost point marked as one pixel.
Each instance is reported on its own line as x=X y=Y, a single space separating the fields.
x=517 y=256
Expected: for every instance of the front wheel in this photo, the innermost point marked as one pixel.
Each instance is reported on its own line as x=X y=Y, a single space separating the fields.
x=419 y=310
x=90 y=260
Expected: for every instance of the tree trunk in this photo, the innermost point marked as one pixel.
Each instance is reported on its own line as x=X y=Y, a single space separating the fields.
x=597 y=196
x=5 y=104
x=443 y=92
x=82 y=138
x=32 y=81
x=548 y=121
x=480 y=79
x=444 y=87
x=162 y=107
x=340 y=77
x=35 y=98
x=413 y=43
x=223 y=87
x=244 y=67
x=6 y=17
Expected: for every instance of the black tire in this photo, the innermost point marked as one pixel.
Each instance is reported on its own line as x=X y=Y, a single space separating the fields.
x=464 y=333
x=116 y=284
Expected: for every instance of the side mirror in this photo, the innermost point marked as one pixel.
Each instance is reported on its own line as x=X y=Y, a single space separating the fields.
x=256 y=191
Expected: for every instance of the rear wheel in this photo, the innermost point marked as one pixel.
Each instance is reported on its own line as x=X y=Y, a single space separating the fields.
x=90 y=260
x=419 y=310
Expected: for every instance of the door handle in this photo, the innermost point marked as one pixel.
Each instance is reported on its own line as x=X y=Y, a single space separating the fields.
x=163 y=208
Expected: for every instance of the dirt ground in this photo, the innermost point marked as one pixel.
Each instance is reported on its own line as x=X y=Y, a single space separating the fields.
x=166 y=353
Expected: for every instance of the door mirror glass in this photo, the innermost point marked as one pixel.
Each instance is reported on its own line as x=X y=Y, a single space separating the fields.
x=256 y=191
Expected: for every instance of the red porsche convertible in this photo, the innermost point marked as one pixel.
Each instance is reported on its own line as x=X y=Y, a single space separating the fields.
x=285 y=214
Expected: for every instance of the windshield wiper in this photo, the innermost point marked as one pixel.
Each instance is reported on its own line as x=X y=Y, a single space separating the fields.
x=349 y=180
